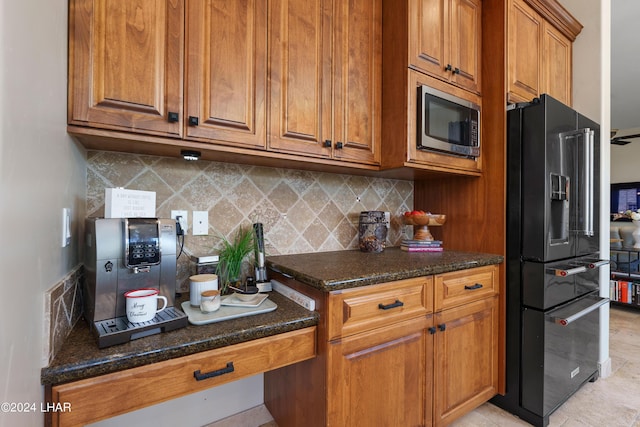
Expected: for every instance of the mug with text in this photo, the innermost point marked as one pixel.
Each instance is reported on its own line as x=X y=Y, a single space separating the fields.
x=142 y=304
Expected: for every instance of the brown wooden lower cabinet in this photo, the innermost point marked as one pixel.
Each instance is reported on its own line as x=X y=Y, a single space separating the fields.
x=426 y=370
x=98 y=398
x=466 y=359
x=380 y=377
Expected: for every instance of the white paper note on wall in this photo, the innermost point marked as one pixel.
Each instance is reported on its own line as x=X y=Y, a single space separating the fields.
x=123 y=203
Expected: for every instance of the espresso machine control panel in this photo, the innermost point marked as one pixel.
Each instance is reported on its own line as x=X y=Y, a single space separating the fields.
x=142 y=242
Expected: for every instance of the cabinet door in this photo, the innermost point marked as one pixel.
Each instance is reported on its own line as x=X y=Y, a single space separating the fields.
x=226 y=71
x=429 y=36
x=357 y=80
x=379 y=377
x=557 y=64
x=300 y=80
x=466 y=24
x=524 y=30
x=466 y=359
x=125 y=65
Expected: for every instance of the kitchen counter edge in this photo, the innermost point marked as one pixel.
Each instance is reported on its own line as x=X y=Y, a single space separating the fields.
x=339 y=270
x=80 y=358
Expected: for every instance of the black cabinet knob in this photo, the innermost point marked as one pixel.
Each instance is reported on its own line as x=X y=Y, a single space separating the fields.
x=193 y=121
x=339 y=145
x=448 y=67
x=173 y=117
x=456 y=71
x=327 y=143
x=442 y=327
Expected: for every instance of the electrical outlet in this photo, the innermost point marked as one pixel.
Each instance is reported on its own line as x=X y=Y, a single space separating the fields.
x=183 y=219
x=200 y=223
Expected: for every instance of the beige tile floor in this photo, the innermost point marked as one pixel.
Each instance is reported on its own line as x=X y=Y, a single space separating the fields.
x=608 y=402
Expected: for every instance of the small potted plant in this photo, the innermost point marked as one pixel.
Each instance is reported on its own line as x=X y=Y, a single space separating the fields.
x=232 y=255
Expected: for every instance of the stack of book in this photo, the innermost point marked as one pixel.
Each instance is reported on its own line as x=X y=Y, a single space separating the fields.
x=624 y=291
x=421 y=245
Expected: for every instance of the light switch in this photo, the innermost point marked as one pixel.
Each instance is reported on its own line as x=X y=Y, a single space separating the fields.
x=200 y=223
x=66 y=227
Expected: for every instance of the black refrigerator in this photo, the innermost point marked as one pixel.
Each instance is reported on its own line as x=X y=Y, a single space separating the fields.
x=552 y=262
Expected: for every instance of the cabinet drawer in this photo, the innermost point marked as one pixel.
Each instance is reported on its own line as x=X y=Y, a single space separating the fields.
x=460 y=287
x=361 y=309
x=135 y=388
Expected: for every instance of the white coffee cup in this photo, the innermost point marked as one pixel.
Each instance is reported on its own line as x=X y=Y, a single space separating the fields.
x=200 y=283
x=142 y=304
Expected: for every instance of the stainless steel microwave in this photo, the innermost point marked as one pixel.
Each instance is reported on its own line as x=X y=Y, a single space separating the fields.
x=447 y=124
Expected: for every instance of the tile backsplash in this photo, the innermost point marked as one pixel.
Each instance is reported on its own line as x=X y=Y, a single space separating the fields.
x=63 y=308
x=301 y=211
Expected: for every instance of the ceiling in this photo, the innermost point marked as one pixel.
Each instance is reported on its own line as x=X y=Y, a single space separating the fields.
x=625 y=67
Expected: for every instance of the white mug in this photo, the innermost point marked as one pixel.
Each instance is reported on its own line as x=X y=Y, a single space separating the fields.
x=142 y=304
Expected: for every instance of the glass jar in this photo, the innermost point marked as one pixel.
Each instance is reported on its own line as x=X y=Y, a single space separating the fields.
x=372 y=231
x=209 y=301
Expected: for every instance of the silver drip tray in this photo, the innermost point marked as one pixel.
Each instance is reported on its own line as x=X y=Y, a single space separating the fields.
x=120 y=330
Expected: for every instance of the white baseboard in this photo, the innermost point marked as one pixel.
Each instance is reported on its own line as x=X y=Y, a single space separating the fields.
x=605 y=368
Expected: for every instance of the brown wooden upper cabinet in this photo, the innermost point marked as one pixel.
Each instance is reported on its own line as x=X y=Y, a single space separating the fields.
x=445 y=40
x=125 y=65
x=226 y=72
x=283 y=76
x=435 y=43
x=325 y=82
x=540 y=37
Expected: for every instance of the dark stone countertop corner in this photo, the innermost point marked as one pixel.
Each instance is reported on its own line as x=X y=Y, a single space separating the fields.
x=80 y=357
x=330 y=271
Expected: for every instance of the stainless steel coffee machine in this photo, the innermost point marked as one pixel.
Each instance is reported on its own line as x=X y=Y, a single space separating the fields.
x=123 y=254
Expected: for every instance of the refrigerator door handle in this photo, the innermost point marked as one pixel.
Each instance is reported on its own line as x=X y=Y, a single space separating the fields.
x=566 y=320
x=590 y=149
x=566 y=271
x=599 y=263
x=587 y=136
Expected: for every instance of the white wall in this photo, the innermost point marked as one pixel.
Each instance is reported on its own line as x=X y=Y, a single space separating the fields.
x=41 y=171
x=592 y=97
x=625 y=165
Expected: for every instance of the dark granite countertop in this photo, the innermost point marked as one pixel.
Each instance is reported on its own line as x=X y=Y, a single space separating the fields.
x=81 y=358
x=330 y=271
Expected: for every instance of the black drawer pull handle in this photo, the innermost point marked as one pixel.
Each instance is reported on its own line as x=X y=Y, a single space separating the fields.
x=200 y=376
x=442 y=327
x=173 y=117
x=398 y=303
x=193 y=121
x=327 y=143
x=476 y=286
x=432 y=330
x=339 y=145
